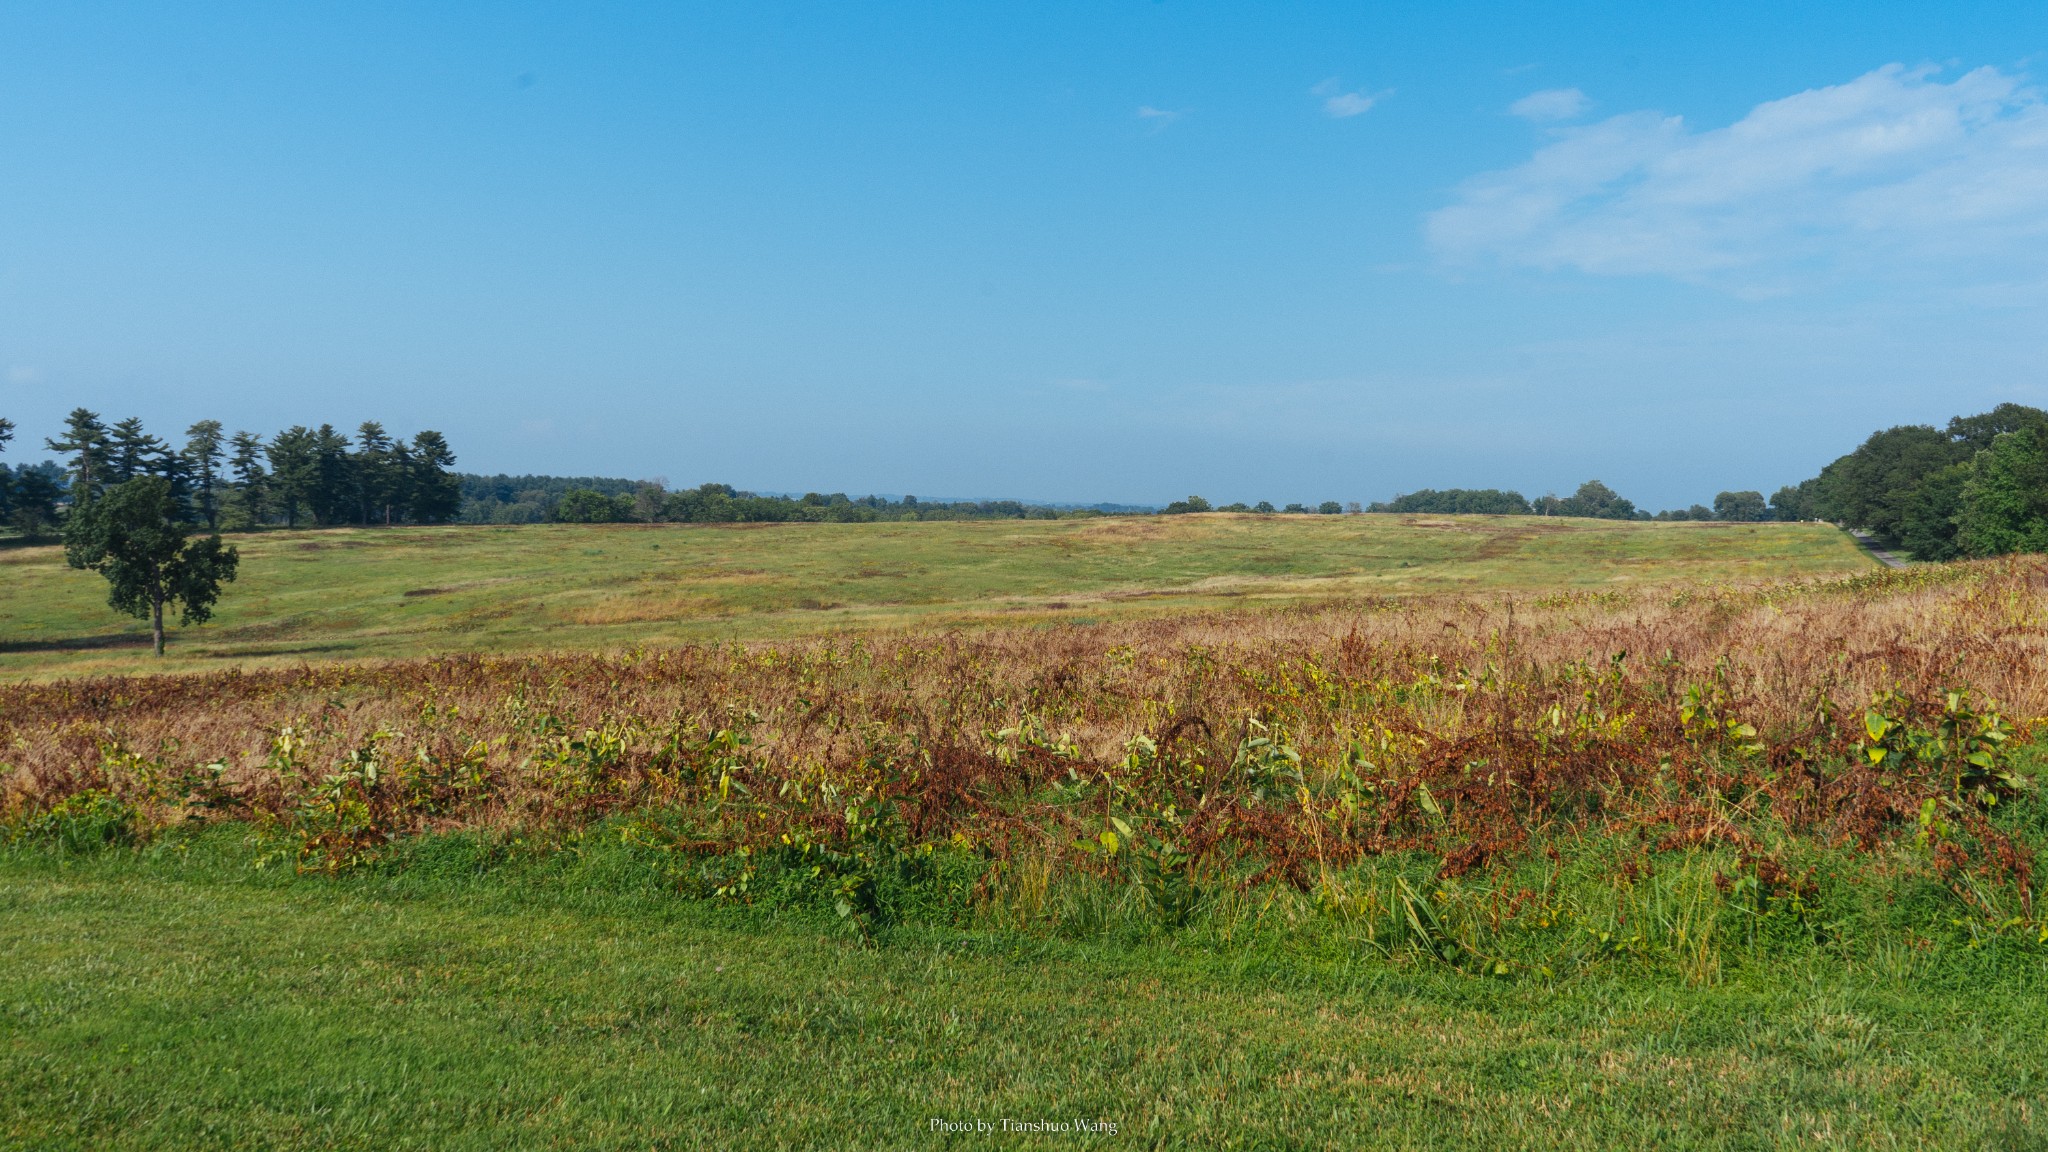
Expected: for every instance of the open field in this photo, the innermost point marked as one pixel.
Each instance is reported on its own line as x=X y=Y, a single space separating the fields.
x=1631 y=863
x=392 y=593
x=180 y=1000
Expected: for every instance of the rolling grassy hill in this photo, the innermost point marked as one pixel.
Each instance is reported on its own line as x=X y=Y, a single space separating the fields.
x=390 y=593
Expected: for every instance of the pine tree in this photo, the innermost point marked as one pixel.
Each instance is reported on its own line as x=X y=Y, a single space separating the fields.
x=333 y=493
x=250 y=483
x=85 y=441
x=434 y=496
x=294 y=472
x=134 y=452
x=202 y=461
x=380 y=479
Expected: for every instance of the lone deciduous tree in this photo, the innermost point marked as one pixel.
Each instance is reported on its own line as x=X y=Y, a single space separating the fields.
x=132 y=535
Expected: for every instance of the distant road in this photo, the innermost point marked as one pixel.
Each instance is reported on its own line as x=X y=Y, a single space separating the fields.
x=1869 y=543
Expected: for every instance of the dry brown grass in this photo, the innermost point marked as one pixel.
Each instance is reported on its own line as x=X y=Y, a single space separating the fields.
x=1274 y=742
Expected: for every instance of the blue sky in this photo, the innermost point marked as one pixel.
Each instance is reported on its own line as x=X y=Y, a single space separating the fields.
x=1106 y=251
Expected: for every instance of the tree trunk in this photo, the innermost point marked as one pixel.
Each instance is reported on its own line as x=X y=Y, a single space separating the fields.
x=156 y=621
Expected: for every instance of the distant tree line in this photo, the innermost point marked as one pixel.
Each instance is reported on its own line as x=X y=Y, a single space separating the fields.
x=300 y=476
x=1482 y=501
x=1592 y=499
x=598 y=500
x=29 y=493
x=1978 y=487
x=1198 y=504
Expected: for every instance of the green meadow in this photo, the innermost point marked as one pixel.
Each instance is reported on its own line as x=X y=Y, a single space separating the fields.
x=178 y=998
x=357 y=593
x=179 y=970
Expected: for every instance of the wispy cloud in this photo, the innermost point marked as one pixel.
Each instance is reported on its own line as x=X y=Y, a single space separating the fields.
x=1340 y=105
x=1551 y=104
x=1893 y=173
x=1158 y=117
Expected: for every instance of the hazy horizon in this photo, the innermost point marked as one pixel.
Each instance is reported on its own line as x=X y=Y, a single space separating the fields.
x=1071 y=253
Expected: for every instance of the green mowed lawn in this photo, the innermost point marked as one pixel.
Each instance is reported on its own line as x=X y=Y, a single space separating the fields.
x=376 y=593
x=194 y=1004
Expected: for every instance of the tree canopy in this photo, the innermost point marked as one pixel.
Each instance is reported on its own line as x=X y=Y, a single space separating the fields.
x=1592 y=499
x=135 y=534
x=2003 y=505
x=28 y=492
x=1484 y=501
x=1973 y=488
x=300 y=475
x=1741 y=507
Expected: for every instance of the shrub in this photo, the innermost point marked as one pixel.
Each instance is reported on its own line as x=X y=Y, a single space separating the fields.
x=94 y=818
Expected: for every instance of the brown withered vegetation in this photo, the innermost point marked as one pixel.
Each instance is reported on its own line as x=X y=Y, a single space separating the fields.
x=1261 y=746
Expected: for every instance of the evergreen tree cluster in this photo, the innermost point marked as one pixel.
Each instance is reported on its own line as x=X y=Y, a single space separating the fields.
x=28 y=492
x=314 y=476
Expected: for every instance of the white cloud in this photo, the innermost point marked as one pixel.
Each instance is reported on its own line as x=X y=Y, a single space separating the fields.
x=1891 y=173
x=24 y=374
x=1346 y=104
x=1551 y=104
x=1339 y=104
x=1158 y=116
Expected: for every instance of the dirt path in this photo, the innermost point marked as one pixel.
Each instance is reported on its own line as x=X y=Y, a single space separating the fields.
x=1870 y=545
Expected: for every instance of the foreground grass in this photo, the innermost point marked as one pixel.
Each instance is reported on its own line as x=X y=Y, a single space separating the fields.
x=177 y=999
x=377 y=593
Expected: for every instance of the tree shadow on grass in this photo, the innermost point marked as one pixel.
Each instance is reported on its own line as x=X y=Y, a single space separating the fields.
x=171 y=646
x=240 y=653
x=77 y=643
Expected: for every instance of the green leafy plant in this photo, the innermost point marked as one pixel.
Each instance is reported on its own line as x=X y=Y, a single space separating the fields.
x=857 y=864
x=343 y=820
x=1965 y=744
x=1268 y=766
x=81 y=822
